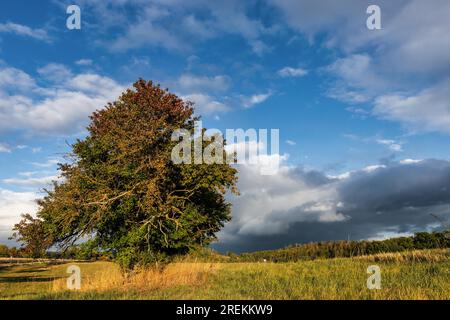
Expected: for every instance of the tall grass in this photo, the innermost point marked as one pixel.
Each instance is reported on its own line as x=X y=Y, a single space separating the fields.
x=422 y=274
x=437 y=255
x=154 y=278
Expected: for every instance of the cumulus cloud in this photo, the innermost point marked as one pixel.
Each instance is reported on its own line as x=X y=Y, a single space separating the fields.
x=205 y=104
x=205 y=91
x=428 y=110
x=292 y=72
x=250 y=101
x=55 y=72
x=416 y=38
x=12 y=205
x=357 y=71
x=357 y=81
x=298 y=205
x=63 y=107
x=15 y=79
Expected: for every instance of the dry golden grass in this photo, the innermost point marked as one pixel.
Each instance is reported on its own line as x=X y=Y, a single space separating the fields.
x=155 y=278
x=436 y=255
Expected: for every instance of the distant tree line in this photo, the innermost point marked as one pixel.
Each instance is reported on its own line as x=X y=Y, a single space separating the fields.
x=337 y=249
x=5 y=252
x=84 y=251
x=89 y=250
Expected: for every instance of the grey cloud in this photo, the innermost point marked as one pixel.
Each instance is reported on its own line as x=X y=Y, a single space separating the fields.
x=394 y=199
x=311 y=178
x=416 y=185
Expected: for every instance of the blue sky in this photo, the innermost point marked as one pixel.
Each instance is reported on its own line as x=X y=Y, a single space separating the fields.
x=348 y=101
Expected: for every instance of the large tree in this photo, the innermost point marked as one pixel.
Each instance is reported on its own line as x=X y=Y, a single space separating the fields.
x=122 y=190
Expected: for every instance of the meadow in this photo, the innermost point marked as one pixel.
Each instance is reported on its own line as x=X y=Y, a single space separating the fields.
x=419 y=274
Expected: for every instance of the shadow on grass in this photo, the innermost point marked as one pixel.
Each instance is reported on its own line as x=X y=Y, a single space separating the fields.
x=27 y=279
x=4 y=267
x=31 y=270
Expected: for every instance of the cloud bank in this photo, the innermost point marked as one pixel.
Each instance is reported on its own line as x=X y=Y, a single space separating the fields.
x=297 y=206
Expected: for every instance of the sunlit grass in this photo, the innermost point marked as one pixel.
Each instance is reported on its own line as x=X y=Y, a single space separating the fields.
x=408 y=275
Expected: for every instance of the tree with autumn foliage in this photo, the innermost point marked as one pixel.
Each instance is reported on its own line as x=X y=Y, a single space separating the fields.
x=31 y=232
x=122 y=191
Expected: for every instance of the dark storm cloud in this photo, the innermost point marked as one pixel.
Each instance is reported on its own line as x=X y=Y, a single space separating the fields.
x=372 y=203
x=311 y=178
x=398 y=186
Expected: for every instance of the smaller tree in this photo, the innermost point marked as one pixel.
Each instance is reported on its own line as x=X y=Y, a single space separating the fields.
x=33 y=236
x=4 y=251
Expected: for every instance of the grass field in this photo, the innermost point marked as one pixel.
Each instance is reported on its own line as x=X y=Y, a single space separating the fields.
x=410 y=275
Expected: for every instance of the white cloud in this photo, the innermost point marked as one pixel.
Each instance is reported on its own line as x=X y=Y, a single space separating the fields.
x=84 y=62
x=428 y=110
x=349 y=174
x=349 y=96
x=146 y=33
x=250 y=101
x=373 y=168
x=193 y=83
x=410 y=161
x=195 y=26
x=4 y=148
x=357 y=80
x=31 y=181
x=15 y=79
x=12 y=205
x=259 y=47
x=63 y=108
x=291 y=143
x=205 y=104
x=200 y=90
x=391 y=144
x=55 y=72
x=292 y=72
x=39 y=34
x=49 y=163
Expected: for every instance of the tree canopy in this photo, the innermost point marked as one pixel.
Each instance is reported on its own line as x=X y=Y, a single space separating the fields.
x=32 y=232
x=121 y=189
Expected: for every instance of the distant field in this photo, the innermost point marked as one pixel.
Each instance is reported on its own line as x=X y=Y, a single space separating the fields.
x=410 y=275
